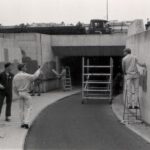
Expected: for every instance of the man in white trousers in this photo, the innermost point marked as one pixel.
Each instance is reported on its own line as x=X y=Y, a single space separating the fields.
x=131 y=75
x=21 y=86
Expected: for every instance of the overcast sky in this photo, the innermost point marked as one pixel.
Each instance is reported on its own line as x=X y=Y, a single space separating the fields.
x=70 y=11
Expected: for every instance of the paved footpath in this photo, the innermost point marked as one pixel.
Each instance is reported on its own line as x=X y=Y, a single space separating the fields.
x=11 y=135
x=70 y=125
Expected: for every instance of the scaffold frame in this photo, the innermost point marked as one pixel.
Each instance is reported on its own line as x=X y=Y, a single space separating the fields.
x=96 y=89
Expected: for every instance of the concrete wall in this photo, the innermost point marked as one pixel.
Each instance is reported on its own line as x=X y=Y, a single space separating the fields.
x=136 y=27
x=10 y=47
x=140 y=46
x=38 y=48
x=117 y=39
x=49 y=62
x=9 y=51
x=28 y=42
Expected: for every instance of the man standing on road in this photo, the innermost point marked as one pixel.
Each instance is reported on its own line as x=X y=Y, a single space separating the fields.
x=6 y=78
x=21 y=85
x=131 y=74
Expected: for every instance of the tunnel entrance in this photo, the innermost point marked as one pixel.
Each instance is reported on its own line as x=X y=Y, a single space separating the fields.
x=75 y=64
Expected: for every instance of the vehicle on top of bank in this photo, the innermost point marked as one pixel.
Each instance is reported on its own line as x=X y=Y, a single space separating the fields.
x=96 y=26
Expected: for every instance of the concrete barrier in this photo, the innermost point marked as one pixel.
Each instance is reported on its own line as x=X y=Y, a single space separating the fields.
x=136 y=27
x=140 y=46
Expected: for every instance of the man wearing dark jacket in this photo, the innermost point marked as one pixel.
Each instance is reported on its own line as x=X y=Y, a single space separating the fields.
x=6 y=78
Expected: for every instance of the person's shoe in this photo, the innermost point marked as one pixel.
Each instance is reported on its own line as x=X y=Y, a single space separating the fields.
x=26 y=126
x=130 y=107
x=39 y=95
x=22 y=126
x=136 y=107
x=8 y=119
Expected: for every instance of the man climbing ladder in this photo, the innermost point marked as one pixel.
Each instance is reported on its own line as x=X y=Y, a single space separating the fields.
x=64 y=78
x=131 y=78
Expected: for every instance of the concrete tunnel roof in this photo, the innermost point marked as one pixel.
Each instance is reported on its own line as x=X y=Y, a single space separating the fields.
x=88 y=50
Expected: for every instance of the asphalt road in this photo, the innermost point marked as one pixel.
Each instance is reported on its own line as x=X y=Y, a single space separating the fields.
x=70 y=125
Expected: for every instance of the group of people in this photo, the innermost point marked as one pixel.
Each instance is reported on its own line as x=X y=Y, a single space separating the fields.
x=20 y=84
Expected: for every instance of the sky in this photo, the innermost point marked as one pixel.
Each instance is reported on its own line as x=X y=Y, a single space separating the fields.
x=14 y=12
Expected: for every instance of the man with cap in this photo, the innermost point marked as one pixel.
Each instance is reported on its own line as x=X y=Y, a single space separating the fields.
x=21 y=86
x=6 y=78
x=131 y=74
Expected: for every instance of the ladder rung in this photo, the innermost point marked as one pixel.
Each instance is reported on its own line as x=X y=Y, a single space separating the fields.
x=96 y=90
x=85 y=97
x=97 y=95
x=97 y=82
x=97 y=66
x=97 y=74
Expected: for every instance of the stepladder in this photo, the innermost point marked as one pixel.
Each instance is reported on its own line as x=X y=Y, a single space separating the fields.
x=97 y=79
x=66 y=79
x=132 y=107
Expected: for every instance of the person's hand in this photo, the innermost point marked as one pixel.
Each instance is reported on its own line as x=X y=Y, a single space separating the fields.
x=58 y=76
x=2 y=87
x=41 y=72
x=144 y=65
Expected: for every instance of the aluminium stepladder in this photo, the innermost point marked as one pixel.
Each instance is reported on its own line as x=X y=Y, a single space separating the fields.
x=67 y=83
x=131 y=115
x=96 y=84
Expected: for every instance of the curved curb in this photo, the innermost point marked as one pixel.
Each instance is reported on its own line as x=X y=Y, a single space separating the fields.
x=142 y=129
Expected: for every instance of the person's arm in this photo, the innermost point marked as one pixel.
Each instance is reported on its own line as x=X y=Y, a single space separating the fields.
x=55 y=72
x=34 y=76
x=1 y=86
x=63 y=72
x=140 y=63
x=37 y=74
x=14 y=88
x=15 y=91
x=123 y=67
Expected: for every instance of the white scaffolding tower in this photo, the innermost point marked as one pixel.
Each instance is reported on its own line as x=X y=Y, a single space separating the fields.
x=96 y=80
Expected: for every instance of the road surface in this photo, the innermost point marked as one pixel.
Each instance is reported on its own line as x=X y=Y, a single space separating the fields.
x=70 y=125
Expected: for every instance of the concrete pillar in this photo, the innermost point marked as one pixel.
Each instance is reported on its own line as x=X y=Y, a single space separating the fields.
x=57 y=64
x=136 y=27
x=58 y=70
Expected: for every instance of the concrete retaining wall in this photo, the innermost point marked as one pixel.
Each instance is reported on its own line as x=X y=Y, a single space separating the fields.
x=9 y=51
x=140 y=46
x=136 y=27
x=37 y=47
x=117 y=39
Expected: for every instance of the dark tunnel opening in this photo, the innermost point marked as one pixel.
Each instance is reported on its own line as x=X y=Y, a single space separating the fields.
x=75 y=65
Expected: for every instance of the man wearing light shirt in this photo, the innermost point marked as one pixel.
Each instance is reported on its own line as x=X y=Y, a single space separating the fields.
x=21 y=86
x=130 y=70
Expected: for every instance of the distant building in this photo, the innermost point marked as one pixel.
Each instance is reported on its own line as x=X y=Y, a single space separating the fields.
x=119 y=26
